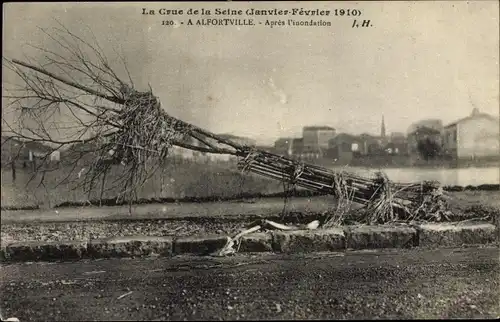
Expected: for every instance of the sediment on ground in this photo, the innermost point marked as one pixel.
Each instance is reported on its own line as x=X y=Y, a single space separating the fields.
x=96 y=229
x=229 y=218
x=173 y=227
x=53 y=232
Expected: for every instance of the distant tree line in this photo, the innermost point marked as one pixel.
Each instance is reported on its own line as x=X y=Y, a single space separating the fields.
x=429 y=148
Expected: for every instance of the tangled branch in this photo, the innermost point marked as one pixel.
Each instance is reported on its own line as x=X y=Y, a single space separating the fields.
x=74 y=101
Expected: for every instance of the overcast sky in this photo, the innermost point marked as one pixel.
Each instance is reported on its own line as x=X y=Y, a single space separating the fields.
x=419 y=60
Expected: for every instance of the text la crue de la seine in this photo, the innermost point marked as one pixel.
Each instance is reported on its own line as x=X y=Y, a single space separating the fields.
x=239 y=12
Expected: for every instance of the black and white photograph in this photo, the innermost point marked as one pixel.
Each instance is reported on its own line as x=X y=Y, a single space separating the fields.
x=237 y=160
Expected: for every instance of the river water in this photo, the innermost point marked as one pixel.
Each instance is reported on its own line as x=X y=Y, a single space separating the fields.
x=448 y=177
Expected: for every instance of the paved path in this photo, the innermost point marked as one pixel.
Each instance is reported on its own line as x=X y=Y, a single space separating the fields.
x=264 y=207
x=452 y=283
x=261 y=207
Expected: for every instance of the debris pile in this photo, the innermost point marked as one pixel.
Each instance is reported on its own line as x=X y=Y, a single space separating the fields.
x=133 y=129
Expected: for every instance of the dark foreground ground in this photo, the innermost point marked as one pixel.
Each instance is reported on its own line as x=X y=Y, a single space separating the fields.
x=448 y=283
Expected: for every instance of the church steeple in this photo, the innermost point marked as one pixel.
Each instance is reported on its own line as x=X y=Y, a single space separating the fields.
x=382 y=128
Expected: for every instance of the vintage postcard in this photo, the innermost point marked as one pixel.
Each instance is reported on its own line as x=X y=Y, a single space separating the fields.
x=252 y=160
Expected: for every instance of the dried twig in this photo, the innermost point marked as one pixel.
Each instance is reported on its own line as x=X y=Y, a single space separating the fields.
x=124 y=295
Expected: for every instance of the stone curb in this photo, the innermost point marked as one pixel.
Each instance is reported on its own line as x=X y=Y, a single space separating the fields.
x=303 y=241
x=306 y=241
x=199 y=245
x=130 y=246
x=45 y=251
x=376 y=237
x=447 y=235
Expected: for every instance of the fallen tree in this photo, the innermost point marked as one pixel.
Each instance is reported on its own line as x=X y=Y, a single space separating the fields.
x=131 y=128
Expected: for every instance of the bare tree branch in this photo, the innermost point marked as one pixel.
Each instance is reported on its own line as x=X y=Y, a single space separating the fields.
x=68 y=82
x=75 y=102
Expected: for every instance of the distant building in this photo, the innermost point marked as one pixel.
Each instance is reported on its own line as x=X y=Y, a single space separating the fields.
x=18 y=153
x=55 y=156
x=296 y=149
x=420 y=134
x=383 y=136
x=476 y=135
x=37 y=150
x=398 y=144
x=282 y=146
x=399 y=148
x=371 y=144
x=25 y=151
x=11 y=149
x=424 y=129
x=344 y=146
x=397 y=137
x=434 y=124
x=316 y=139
